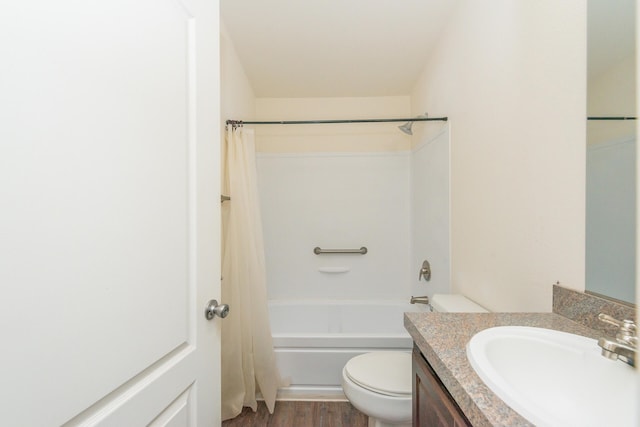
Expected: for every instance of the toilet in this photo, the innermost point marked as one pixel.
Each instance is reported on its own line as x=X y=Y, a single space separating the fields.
x=378 y=384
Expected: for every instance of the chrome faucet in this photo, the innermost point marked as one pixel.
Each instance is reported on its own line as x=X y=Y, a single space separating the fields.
x=419 y=300
x=625 y=346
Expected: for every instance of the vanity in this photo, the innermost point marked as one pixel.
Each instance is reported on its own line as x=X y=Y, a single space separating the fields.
x=447 y=389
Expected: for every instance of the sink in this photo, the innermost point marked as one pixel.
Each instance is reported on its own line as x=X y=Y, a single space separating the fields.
x=554 y=378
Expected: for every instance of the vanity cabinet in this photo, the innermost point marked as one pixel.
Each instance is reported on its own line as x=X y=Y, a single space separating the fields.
x=433 y=406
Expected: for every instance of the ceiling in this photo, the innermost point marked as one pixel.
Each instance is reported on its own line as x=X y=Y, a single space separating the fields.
x=352 y=48
x=334 y=48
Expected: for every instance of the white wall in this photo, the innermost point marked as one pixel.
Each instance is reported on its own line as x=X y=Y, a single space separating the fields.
x=335 y=186
x=512 y=79
x=236 y=98
x=359 y=137
x=430 y=212
x=335 y=200
x=347 y=186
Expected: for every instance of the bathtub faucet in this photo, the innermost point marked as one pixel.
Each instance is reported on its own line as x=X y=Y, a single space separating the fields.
x=419 y=300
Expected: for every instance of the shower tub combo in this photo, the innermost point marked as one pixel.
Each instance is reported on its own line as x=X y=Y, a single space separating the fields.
x=314 y=339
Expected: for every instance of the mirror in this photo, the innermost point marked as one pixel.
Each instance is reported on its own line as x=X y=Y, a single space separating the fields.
x=611 y=148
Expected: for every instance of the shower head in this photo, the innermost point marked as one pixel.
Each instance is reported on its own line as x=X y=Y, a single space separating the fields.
x=406 y=128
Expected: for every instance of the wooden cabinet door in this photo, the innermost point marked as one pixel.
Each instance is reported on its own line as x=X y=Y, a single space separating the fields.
x=433 y=406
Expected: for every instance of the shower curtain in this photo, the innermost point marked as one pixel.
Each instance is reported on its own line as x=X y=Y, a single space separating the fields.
x=248 y=359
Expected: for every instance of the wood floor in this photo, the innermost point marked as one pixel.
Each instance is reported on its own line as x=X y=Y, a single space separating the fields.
x=301 y=414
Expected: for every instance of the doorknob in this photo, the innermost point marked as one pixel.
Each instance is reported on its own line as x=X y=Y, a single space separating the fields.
x=215 y=309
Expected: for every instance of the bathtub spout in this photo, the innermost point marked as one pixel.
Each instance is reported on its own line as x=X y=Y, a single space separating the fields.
x=419 y=300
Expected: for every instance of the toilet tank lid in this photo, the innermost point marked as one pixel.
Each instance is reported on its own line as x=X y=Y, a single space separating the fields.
x=455 y=303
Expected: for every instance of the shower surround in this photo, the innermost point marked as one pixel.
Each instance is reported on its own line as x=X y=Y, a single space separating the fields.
x=345 y=187
x=394 y=202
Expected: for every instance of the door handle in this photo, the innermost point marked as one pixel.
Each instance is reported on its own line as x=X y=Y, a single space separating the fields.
x=214 y=309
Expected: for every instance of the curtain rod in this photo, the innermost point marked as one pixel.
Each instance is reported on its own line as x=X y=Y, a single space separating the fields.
x=305 y=122
x=611 y=118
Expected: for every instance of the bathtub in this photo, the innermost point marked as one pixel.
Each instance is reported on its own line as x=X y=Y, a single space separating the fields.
x=313 y=339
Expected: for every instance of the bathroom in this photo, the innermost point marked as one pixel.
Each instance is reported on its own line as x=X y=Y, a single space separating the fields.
x=108 y=270
x=500 y=211
x=353 y=185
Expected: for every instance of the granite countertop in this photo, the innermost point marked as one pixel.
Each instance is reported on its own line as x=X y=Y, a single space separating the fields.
x=442 y=339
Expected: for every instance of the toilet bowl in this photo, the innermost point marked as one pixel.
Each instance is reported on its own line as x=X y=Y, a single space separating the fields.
x=378 y=384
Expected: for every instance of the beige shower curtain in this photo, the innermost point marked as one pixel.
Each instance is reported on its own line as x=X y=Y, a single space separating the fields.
x=248 y=359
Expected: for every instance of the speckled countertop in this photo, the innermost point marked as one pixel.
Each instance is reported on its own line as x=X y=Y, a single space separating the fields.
x=442 y=338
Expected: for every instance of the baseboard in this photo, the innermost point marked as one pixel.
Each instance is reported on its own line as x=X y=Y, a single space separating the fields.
x=318 y=393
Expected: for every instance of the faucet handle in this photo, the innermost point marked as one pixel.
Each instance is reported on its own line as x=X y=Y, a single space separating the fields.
x=627 y=329
x=425 y=271
x=615 y=322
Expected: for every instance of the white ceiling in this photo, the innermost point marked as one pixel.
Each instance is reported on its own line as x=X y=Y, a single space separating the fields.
x=342 y=48
x=334 y=48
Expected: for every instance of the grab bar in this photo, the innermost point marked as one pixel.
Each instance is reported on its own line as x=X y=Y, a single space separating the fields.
x=317 y=250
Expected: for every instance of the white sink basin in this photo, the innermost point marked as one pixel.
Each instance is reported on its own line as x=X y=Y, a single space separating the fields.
x=554 y=378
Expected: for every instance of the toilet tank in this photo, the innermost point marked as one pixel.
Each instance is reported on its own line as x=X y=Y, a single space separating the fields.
x=455 y=303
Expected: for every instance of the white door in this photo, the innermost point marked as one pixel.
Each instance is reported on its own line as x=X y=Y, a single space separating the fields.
x=109 y=212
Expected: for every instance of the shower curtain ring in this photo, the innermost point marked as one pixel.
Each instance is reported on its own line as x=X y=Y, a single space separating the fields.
x=234 y=124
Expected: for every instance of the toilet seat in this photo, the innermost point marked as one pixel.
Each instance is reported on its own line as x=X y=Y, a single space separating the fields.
x=384 y=372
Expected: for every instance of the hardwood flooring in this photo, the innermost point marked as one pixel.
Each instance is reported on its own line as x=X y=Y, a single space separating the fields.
x=301 y=414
